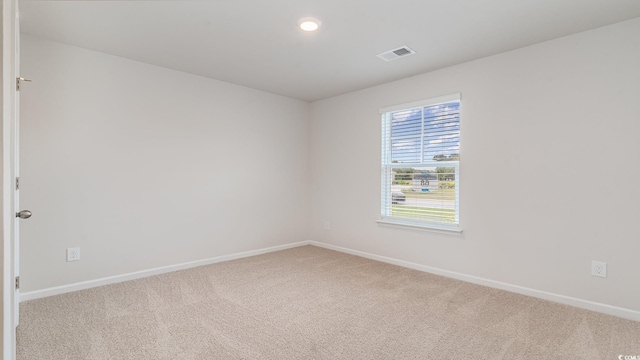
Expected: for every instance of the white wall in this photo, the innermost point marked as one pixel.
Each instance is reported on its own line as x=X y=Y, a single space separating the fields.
x=549 y=170
x=143 y=167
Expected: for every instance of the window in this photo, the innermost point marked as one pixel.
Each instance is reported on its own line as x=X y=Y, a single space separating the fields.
x=421 y=163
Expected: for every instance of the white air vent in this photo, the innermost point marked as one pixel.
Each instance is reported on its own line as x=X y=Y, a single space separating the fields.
x=396 y=53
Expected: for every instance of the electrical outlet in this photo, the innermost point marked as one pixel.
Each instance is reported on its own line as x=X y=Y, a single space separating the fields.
x=327 y=225
x=599 y=268
x=73 y=254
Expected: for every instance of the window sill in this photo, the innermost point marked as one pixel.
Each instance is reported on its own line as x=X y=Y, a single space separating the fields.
x=420 y=227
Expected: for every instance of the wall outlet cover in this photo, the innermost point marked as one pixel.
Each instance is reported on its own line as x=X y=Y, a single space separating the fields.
x=73 y=254
x=599 y=268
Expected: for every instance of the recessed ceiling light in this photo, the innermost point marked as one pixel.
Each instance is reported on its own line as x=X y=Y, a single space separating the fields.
x=309 y=24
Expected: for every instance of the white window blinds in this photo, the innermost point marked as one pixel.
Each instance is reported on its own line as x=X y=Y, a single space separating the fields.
x=421 y=161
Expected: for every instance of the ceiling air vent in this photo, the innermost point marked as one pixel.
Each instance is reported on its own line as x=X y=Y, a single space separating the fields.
x=396 y=53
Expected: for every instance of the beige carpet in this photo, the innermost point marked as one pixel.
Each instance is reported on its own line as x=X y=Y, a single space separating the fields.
x=312 y=303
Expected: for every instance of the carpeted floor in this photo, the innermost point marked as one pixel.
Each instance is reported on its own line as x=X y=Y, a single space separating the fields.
x=312 y=303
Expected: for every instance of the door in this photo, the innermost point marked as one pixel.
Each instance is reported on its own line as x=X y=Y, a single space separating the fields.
x=10 y=60
x=16 y=171
x=16 y=174
x=20 y=214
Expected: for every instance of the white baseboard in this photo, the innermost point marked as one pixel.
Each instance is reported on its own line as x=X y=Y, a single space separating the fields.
x=562 y=299
x=567 y=300
x=57 y=290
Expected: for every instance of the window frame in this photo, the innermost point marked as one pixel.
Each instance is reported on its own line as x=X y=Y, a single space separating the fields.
x=387 y=164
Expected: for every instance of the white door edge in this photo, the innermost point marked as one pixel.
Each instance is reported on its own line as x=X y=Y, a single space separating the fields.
x=8 y=335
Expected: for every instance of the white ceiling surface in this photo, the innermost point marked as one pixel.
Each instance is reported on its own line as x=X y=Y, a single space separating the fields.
x=257 y=43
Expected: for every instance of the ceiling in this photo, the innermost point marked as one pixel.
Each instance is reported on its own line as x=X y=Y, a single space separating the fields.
x=257 y=43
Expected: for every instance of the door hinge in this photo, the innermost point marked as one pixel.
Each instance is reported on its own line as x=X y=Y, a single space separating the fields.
x=17 y=282
x=17 y=183
x=19 y=80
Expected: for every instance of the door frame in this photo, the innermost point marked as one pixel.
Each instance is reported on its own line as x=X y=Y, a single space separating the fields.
x=9 y=124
